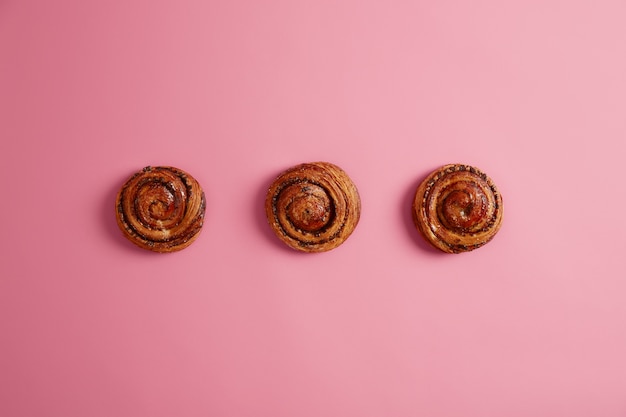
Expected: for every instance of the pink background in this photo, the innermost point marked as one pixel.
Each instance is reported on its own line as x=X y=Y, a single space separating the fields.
x=532 y=92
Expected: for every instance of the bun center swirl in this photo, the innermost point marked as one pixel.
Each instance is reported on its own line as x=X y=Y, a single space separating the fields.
x=462 y=207
x=308 y=206
x=160 y=204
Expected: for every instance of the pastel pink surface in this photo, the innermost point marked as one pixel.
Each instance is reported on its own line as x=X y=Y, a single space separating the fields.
x=531 y=92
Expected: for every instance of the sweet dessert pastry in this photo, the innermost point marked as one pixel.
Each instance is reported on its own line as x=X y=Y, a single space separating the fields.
x=313 y=207
x=457 y=208
x=161 y=209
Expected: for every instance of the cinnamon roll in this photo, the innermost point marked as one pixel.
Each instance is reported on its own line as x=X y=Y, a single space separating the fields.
x=313 y=207
x=161 y=209
x=457 y=208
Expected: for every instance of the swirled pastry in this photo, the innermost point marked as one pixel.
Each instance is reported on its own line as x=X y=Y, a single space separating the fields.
x=161 y=209
x=457 y=208
x=313 y=207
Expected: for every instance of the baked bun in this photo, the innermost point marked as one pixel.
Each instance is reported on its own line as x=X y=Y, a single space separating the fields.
x=313 y=207
x=457 y=208
x=161 y=209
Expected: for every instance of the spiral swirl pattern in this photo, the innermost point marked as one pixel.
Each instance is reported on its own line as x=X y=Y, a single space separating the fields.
x=457 y=208
x=161 y=209
x=313 y=207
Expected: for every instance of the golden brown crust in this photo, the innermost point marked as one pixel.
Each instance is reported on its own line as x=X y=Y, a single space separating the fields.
x=313 y=207
x=160 y=209
x=457 y=208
